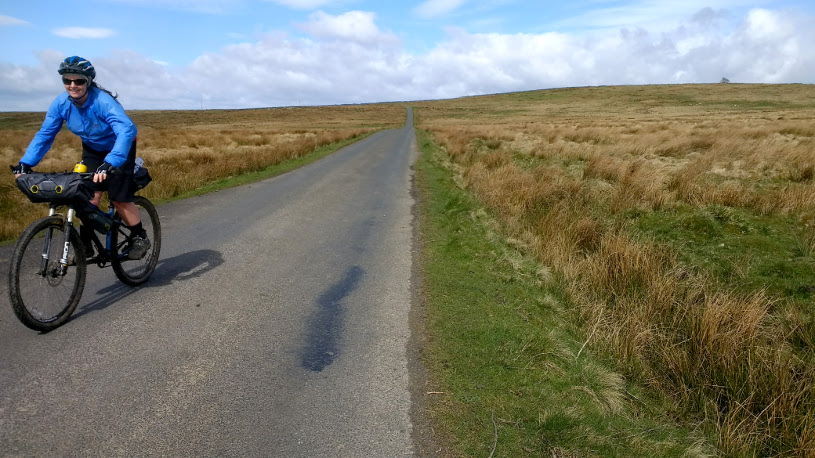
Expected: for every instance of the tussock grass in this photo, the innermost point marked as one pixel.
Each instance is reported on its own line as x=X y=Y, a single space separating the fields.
x=634 y=196
x=510 y=376
x=189 y=150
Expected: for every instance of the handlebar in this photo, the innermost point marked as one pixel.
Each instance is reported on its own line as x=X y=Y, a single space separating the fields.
x=84 y=175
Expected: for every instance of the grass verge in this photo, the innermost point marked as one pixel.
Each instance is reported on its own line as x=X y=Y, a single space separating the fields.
x=511 y=376
x=269 y=172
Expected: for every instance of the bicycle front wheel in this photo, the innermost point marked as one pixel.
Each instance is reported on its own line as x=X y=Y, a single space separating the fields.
x=42 y=293
x=135 y=272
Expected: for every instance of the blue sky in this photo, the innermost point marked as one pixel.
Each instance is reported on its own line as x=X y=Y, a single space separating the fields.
x=193 y=54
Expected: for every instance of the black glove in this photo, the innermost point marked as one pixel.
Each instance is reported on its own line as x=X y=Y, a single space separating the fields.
x=105 y=168
x=21 y=169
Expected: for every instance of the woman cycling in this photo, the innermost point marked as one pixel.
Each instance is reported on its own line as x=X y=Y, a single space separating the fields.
x=108 y=143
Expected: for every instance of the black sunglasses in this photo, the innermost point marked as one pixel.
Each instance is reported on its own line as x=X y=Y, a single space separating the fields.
x=78 y=82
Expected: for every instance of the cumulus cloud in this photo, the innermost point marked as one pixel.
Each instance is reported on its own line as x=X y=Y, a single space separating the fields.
x=348 y=59
x=31 y=87
x=142 y=82
x=767 y=47
x=279 y=71
x=772 y=48
x=332 y=66
x=484 y=63
x=82 y=32
x=354 y=26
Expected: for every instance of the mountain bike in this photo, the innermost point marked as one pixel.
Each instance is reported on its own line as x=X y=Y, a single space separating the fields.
x=49 y=263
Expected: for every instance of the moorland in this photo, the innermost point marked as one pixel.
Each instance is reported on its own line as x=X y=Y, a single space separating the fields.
x=656 y=244
x=677 y=225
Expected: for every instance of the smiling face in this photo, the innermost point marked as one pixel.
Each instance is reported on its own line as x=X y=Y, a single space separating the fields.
x=76 y=85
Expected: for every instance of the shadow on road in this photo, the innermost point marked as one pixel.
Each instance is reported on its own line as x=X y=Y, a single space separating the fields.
x=168 y=271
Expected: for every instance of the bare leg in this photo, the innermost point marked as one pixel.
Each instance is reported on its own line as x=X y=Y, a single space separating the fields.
x=129 y=212
x=97 y=198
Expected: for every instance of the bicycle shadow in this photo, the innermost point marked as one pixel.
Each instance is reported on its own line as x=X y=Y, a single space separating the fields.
x=178 y=268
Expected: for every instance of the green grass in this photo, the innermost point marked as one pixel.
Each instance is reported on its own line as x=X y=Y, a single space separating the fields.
x=741 y=249
x=504 y=351
x=745 y=252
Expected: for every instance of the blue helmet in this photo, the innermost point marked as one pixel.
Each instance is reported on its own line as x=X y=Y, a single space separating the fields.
x=78 y=65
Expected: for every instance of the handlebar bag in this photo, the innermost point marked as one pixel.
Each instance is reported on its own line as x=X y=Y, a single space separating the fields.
x=60 y=188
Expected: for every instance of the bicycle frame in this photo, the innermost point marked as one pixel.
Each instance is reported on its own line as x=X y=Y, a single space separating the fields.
x=105 y=250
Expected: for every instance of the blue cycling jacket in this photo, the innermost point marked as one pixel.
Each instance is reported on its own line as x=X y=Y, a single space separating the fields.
x=100 y=122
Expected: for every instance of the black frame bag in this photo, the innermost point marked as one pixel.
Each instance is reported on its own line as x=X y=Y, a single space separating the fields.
x=59 y=188
x=141 y=178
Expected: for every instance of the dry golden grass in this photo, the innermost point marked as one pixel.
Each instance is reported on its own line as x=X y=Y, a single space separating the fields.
x=185 y=150
x=561 y=167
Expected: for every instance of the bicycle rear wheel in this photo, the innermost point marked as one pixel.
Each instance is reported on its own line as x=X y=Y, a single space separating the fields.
x=41 y=295
x=135 y=272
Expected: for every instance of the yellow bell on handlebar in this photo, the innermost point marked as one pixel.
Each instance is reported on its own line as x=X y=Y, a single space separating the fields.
x=80 y=168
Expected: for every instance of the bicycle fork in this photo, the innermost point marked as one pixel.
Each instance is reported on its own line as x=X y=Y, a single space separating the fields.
x=66 y=245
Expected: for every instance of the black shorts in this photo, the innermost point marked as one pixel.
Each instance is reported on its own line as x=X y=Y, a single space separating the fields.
x=119 y=185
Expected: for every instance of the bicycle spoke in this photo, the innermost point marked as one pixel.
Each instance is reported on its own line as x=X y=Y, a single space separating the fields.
x=135 y=272
x=43 y=295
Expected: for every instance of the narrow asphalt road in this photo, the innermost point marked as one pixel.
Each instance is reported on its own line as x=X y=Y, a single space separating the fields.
x=276 y=324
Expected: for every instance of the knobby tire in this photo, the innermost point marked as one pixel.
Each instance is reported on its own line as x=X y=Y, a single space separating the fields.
x=136 y=272
x=44 y=302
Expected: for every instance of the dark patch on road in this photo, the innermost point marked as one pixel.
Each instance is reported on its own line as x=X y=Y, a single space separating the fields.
x=325 y=327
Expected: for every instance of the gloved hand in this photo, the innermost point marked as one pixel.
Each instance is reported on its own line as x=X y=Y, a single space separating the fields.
x=102 y=172
x=21 y=169
x=105 y=168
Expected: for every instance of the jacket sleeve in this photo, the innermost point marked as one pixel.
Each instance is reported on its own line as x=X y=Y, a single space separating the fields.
x=44 y=138
x=114 y=115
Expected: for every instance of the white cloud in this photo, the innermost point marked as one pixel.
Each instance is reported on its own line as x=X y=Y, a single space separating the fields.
x=772 y=47
x=82 y=32
x=31 y=88
x=143 y=82
x=765 y=25
x=436 y=8
x=767 y=47
x=280 y=70
x=470 y=64
x=349 y=59
x=11 y=21
x=354 y=26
